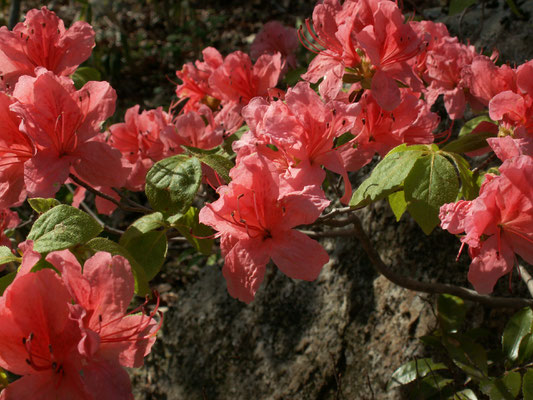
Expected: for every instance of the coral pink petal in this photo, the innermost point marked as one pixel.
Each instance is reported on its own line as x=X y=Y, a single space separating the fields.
x=385 y=91
x=455 y=103
x=107 y=381
x=245 y=268
x=100 y=165
x=44 y=386
x=45 y=173
x=493 y=261
x=298 y=256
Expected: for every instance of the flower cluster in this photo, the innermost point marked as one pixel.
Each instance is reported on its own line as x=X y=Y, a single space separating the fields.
x=72 y=336
x=51 y=129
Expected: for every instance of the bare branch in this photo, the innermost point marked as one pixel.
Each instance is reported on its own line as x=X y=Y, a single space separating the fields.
x=98 y=193
x=526 y=277
x=432 y=288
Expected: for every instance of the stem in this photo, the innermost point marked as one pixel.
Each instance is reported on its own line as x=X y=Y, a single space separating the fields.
x=426 y=287
x=526 y=277
x=14 y=14
x=335 y=233
x=334 y=212
x=132 y=203
x=96 y=218
x=96 y=192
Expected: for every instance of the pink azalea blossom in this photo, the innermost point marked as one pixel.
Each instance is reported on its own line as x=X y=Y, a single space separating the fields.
x=274 y=37
x=139 y=139
x=255 y=216
x=485 y=80
x=195 y=78
x=444 y=66
x=8 y=219
x=63 y=124
x=436 y=35
x=302 y=128
x=16 y=148
x=204 y=129
x=379 y=131
x=102 y=294
x=42 y=41
x=513 y=109
x=71 y=337
x=370 y=40
x=237 y=80
x=498 y=224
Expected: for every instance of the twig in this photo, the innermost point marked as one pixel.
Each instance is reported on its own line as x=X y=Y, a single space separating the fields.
x=14 y=14
x=335 y=233
x=526 y=277
x=432 y=288
x=334 y=212
x=95 y=217
x=98 y=193
x=132 y=203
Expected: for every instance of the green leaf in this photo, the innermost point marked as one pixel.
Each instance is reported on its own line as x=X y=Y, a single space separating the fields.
x=468 y=355
x=413 y=370
x=6 y=280
x=343 y=139
x=190 y=222
x=293 y=76
x=103 y=244
x=432 y=385
x=220 y=164
x=470 y=142
x=527 y=385
x=7 y=256
x=386 y=178
x=513 y=382
x=62 y=227
x=83 y=75
x=466 y=394
x=472 y=124
x=451 y=312
x=424 y=149
x=469 y=184
x=142 y=225
x=43 y=205
x=431 y=182
x=172 y=183
x=397 y=204
x=516 y=329
x=525 y=351
x=458 y=6
x=506 y=388
x=149 y=250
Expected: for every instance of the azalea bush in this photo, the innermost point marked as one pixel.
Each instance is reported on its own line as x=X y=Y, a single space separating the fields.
x=254 y=157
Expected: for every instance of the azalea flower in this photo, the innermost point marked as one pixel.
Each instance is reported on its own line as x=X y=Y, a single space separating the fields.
x=42 y=41
x=255 y=216
x=274 y=37
x=237 y=80
x=379 y=131
x=63 y=122
x=302 y=128
x=16 y=148
x=498 y=224
x=368 y=41
x=71 y=337
x=140 y=140
x=195 y=78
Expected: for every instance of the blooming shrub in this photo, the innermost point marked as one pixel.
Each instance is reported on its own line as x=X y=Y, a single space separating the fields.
x=275 y=156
